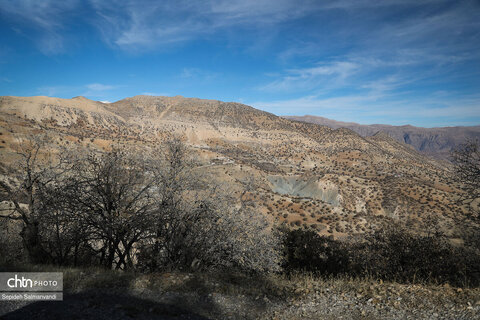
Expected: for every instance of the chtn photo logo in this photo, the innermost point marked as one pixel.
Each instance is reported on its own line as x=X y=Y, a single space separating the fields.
x=31 y=286
x=16 y=282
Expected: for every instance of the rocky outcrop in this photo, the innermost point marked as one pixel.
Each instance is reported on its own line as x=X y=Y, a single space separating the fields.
x=306 y=188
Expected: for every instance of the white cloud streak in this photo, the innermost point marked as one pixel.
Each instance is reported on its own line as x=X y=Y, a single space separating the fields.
x=427 y=111
x=49 y=16
x=88 y=90
x=322 y=74
x=137 y=25
x=365 y=51
x=99 y=87
x=392 y=70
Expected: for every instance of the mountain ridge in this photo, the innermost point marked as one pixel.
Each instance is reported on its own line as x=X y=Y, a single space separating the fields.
x=349 y=183
x=436 y=142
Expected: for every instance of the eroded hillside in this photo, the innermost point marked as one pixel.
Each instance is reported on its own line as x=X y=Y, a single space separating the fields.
x=304 y=175
x=435 y=142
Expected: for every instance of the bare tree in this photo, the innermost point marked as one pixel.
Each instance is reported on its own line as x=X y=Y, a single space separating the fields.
x=35 y=173
x=201 y=225
x=113 y=195
x=64 y=233
x=157 y=210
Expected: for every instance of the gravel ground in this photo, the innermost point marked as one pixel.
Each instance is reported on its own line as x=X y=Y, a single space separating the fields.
x=349 y=307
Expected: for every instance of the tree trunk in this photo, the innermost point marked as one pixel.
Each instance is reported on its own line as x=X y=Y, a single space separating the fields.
x=32 y=244
x=113 y=245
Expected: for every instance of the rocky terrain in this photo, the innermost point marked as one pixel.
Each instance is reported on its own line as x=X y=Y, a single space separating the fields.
x=305 y=175
x=435 y=142
x=335 y=182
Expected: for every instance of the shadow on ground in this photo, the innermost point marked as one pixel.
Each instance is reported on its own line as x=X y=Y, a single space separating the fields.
x=101 y=306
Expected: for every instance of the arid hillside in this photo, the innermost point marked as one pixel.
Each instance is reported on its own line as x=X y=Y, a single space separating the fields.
x=304 y=175
x=435 y=142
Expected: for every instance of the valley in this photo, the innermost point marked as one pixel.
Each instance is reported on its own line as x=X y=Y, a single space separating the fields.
x=301 y=175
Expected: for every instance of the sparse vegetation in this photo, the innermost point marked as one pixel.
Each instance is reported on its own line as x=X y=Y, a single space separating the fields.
x=115 y=208
x=208 y=211
x=466 y=158
x=391 y=254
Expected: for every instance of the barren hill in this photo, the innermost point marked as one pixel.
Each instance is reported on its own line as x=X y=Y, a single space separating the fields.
x=436 y=142
x=305 y=175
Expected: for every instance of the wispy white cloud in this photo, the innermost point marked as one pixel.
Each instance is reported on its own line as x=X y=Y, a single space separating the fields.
x=369 y=4
x=157 y=94
x=137 y=25
x=316 y=104
x=392 y=69
x=88 y=90
x=356 y=55
x=322 y=74
x=48 y=17
x=99 y=87
x=148 y=23
x=189 y=72
x=145 y=24
x=197 y=73
x=386 y=85
x=55 y=91
x=437 y=110
x=403 y=32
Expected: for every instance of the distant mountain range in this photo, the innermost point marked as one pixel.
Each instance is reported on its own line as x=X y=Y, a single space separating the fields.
x=435 y=142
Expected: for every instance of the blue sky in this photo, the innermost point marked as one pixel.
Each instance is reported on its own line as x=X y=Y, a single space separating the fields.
x=387 y=61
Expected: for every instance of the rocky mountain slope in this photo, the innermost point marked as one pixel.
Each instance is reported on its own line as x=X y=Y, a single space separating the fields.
x=436 y=142
x=305 y=175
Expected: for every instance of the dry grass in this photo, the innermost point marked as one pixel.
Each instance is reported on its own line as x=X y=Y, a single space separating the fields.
x=275 y=287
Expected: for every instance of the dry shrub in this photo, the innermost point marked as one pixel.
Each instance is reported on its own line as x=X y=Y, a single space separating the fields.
x=393 y=253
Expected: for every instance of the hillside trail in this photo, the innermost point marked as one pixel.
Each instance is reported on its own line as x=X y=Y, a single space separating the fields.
x=162 y=114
